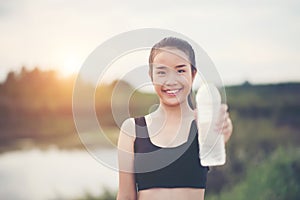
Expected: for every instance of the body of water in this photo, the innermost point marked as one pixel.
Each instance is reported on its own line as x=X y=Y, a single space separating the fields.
x=54 y=174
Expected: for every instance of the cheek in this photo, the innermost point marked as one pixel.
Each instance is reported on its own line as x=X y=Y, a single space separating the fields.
x=158 y=81
x=157 y=89
x=187 y=80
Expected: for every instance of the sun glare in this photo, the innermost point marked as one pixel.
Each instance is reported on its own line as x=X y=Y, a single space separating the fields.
x=71 y=65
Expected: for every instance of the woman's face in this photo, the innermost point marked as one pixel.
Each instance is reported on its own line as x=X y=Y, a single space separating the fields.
x=172 y=76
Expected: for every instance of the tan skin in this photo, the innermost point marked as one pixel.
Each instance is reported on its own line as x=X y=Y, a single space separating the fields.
x=168 y=126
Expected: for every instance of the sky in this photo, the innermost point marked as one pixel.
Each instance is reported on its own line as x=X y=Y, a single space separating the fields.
x=255 y=41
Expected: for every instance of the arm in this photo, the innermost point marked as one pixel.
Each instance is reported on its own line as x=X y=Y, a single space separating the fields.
x=224 y=123
x=127 y=188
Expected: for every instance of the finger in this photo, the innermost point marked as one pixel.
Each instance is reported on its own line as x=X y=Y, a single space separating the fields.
x=227 y=133
x=228 y=130
x=227 y=124
x=224 y=107
x=222 y=117
x=219 y=127
x=221 y=120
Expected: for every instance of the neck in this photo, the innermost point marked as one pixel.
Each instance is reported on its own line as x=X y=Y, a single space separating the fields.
x=172 y=112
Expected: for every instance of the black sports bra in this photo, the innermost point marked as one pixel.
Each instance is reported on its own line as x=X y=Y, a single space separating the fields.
x=173 y=167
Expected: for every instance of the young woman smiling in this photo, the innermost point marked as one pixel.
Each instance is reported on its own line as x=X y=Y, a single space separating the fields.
x=162 y=150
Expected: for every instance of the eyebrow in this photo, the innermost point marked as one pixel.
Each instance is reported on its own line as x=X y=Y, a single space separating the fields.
x=160 y=67
x=178 y=66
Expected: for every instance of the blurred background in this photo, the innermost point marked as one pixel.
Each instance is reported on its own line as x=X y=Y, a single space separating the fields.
x=254 y=45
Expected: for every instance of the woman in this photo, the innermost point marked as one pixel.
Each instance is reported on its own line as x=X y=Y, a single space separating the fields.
x=170 y=130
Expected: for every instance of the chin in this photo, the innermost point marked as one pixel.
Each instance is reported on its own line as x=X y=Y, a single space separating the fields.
x=173 y=103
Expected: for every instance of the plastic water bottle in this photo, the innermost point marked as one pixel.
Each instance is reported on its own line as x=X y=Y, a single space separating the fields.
x=212 y=147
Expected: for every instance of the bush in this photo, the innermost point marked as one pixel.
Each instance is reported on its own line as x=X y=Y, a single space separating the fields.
x=277 y=178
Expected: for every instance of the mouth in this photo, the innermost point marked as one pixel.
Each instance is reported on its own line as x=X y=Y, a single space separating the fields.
x=172 y=92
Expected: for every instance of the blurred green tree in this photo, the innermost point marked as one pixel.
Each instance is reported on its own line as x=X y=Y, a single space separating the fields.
x=278 y=178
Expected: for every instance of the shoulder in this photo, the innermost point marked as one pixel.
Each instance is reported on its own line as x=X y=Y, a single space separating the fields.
x=127 y=134
x=128 y=127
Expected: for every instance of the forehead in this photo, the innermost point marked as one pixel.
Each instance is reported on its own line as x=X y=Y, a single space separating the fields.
x=170 y=57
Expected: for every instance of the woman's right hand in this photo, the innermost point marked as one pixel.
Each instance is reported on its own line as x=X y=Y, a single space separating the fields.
x=223 y=124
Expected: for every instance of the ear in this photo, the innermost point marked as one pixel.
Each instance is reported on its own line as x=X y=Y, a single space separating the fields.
x=150 y=74
x=194 y=72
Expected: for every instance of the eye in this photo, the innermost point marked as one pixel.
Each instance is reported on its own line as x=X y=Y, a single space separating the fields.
x=181 y=71
x=161 y=73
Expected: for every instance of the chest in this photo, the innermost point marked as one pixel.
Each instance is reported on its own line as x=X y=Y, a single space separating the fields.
x=169 y=134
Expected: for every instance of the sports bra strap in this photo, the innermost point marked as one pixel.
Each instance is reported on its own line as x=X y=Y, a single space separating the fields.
x=140 y=121
x=141 y=127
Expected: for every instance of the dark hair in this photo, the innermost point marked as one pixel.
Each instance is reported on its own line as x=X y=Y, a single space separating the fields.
x=177 y=43
x=181 y=45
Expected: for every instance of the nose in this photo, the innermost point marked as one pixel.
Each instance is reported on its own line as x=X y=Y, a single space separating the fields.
x=172 y=78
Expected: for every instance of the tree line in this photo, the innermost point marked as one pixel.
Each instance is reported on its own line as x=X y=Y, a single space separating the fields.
x=37 y=104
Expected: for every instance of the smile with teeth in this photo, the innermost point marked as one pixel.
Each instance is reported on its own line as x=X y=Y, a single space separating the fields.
x=172 y=91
